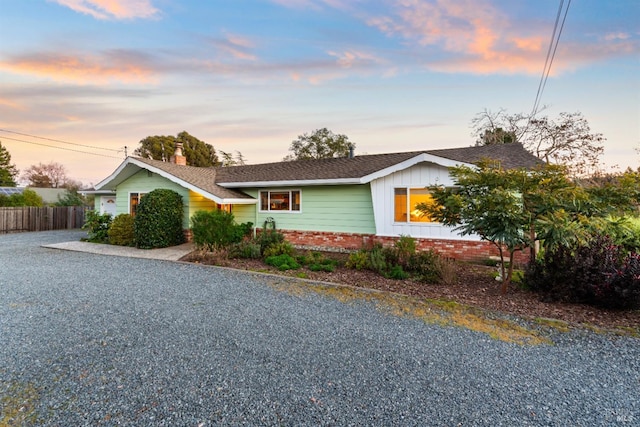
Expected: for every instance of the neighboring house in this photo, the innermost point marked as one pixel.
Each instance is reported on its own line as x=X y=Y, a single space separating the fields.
x=49 y=195
x=337 y=203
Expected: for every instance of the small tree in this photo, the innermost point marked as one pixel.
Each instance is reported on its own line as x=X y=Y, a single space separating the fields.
x=71 y=197
x=158 y=220
x=321 y=144
x=8 y=172
x=485 y=203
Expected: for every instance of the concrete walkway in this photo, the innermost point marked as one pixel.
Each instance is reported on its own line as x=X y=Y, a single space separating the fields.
x=173 y=253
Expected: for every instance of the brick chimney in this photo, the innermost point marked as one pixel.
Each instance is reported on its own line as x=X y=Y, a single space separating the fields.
x=177 y=157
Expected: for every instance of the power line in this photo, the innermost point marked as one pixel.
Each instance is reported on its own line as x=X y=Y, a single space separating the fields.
x=62 y=148
x=551 y=53
x=57 y=140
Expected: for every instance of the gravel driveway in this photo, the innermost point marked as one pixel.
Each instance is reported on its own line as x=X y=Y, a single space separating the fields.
x=89 y=339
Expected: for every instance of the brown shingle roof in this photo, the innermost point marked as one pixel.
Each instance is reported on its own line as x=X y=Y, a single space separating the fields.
x=510 y=156
x=203 y=178
x=334 y=169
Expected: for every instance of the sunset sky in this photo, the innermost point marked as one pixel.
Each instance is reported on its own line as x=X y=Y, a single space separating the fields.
x=82 y=79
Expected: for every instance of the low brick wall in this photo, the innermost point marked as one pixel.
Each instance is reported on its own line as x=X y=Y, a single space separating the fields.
x=463 y=250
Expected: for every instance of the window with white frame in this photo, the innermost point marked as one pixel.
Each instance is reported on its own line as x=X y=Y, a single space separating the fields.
x=405 y=202
x=280 y=201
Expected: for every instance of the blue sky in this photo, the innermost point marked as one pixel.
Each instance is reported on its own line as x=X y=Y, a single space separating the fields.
x=251 y=76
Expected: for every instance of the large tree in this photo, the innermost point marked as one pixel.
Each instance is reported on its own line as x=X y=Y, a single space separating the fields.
x=8 y=172
x=50 y=175
x=162 y=147
x=320 y=144
x=566 y=140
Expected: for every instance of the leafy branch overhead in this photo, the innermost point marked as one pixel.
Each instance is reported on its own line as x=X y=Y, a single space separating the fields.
x=162 y=147
x=321 y=144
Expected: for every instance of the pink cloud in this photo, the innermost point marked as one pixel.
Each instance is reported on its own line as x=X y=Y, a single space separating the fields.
x=353 y=58
x=237 y=46
x=475 y=36
x=112 y=9
x=121 y=66
x=315 y=4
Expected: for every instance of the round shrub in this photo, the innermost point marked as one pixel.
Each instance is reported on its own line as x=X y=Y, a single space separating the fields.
x=121 y=231
x=158 y=220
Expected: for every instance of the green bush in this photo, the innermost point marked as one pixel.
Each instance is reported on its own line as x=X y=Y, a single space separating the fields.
x=405 y=248
x=358 y=260
x=28 y=197
x=402 y=261
x=121 y=231
x=427 y=266
x=378 y=259
x=269 y=237
x=158 y=220
x=216 y=229
x=396 y=272
x=282 y=262
x=245 y=249
x=278 y=249
x=97 y=226
x=316 y=261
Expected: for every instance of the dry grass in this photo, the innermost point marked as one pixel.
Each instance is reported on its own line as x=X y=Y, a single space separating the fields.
x=17 y=405
x=445 y=313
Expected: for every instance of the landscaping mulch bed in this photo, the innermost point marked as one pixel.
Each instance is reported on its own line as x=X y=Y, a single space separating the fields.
x=473 y=285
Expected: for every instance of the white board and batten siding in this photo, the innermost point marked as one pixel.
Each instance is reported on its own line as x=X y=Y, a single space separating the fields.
x=418 y=176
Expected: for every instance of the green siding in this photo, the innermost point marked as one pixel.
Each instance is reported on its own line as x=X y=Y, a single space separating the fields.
x=347 y=209
x=245 y=213
x=142 y=182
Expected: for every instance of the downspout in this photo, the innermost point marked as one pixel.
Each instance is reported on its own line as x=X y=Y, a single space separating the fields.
x=255 y=226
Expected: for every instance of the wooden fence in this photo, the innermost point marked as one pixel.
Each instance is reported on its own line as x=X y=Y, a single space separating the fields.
x=13 y=220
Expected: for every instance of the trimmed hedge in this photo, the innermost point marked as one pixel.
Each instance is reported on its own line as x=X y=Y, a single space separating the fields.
x=158 y=220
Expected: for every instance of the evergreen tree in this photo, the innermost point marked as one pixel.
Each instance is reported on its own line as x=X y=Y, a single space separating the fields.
x=8 y=171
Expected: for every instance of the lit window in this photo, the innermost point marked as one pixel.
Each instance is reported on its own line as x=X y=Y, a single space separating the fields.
x=280 y=201
x=134 y=201
x=405 y=202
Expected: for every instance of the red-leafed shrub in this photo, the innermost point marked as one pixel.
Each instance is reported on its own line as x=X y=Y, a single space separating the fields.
x=599 y=273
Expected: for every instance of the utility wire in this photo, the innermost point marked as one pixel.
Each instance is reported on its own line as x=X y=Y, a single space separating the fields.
x=57 y=140
x=551 y=53
x=62 y=148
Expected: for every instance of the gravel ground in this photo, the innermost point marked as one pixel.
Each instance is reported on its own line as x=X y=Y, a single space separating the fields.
x=89 y=339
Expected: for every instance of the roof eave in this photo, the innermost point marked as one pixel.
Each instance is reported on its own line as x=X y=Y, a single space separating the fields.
x=291 y=183
x=420 y=158
x=114 y=179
